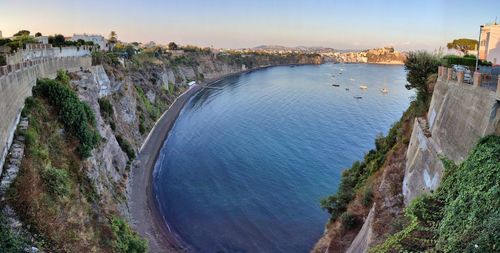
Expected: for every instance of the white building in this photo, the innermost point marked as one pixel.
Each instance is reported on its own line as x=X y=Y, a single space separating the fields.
x=489 y=46
x=42 y=39
x=97 y=39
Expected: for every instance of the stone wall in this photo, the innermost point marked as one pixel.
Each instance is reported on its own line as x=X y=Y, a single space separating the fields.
x=34 y=52
x=459 y=115
x=16 y=85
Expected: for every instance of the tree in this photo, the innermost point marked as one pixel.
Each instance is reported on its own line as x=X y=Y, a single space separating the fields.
x=20 y=41
x=22 y=33
x=130 y=50
x=172 y=46
x=80 y=42
x=4 y=41
x=57 y=40
x=38 y=34
x=419 y=66
x=463 y=45
x=113 y=38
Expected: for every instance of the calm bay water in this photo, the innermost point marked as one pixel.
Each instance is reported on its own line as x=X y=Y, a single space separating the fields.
x=245 y=165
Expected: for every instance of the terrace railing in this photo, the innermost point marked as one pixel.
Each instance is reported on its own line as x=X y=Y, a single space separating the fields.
x=490 y=81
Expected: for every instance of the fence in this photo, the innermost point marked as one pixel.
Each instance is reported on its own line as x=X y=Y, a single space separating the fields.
x=488 y=81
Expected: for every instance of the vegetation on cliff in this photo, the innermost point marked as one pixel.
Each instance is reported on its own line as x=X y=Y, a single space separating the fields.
x=11 y=242
x=52 y=194
x=419 y=66
x=76 y=116
x=354 y=179
x=462 y=215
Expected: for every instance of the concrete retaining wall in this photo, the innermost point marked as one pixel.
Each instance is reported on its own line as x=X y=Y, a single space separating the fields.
x=32 y=54
x=16 y=86
x=459 y=115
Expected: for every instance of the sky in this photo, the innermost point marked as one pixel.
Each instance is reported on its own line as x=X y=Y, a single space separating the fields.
x=348 y=24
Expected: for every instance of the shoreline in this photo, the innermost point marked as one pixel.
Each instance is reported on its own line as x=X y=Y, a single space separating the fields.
x=145 y=216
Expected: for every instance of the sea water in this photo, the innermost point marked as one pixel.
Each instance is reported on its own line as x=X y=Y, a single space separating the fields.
x=247 y=162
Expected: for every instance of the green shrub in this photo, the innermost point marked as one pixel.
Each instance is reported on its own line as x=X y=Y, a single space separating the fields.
x=77 y=117
x=349 y=221
x=333 y=205
x=56 y=181
x=355 y=177
x=126 y=147
x=472 y=200
x=467 y=60
x=419 y=65
x=63 y=77
x=171 y=88
x=106 y=108
x=417 y=221
x=9 y=241
x=31 y=136
x=184 y=60
x=142 y=128
x=126 y=240
x=367 y=196
x=462 y=215
x=2 y=60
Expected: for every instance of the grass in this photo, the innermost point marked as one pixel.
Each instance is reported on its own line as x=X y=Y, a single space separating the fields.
x=56 y=181
x=9 y=241
x=126 y=147
x=106 y=108
x=125 y=239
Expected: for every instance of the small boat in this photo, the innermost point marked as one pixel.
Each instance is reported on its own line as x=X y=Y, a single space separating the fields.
x=358 y=97
x=336 y=85
x=384 y=90
x=346 y=88
x=363 y=87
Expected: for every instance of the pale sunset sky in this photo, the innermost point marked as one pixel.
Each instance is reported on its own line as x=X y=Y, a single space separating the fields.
x=348 y=24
